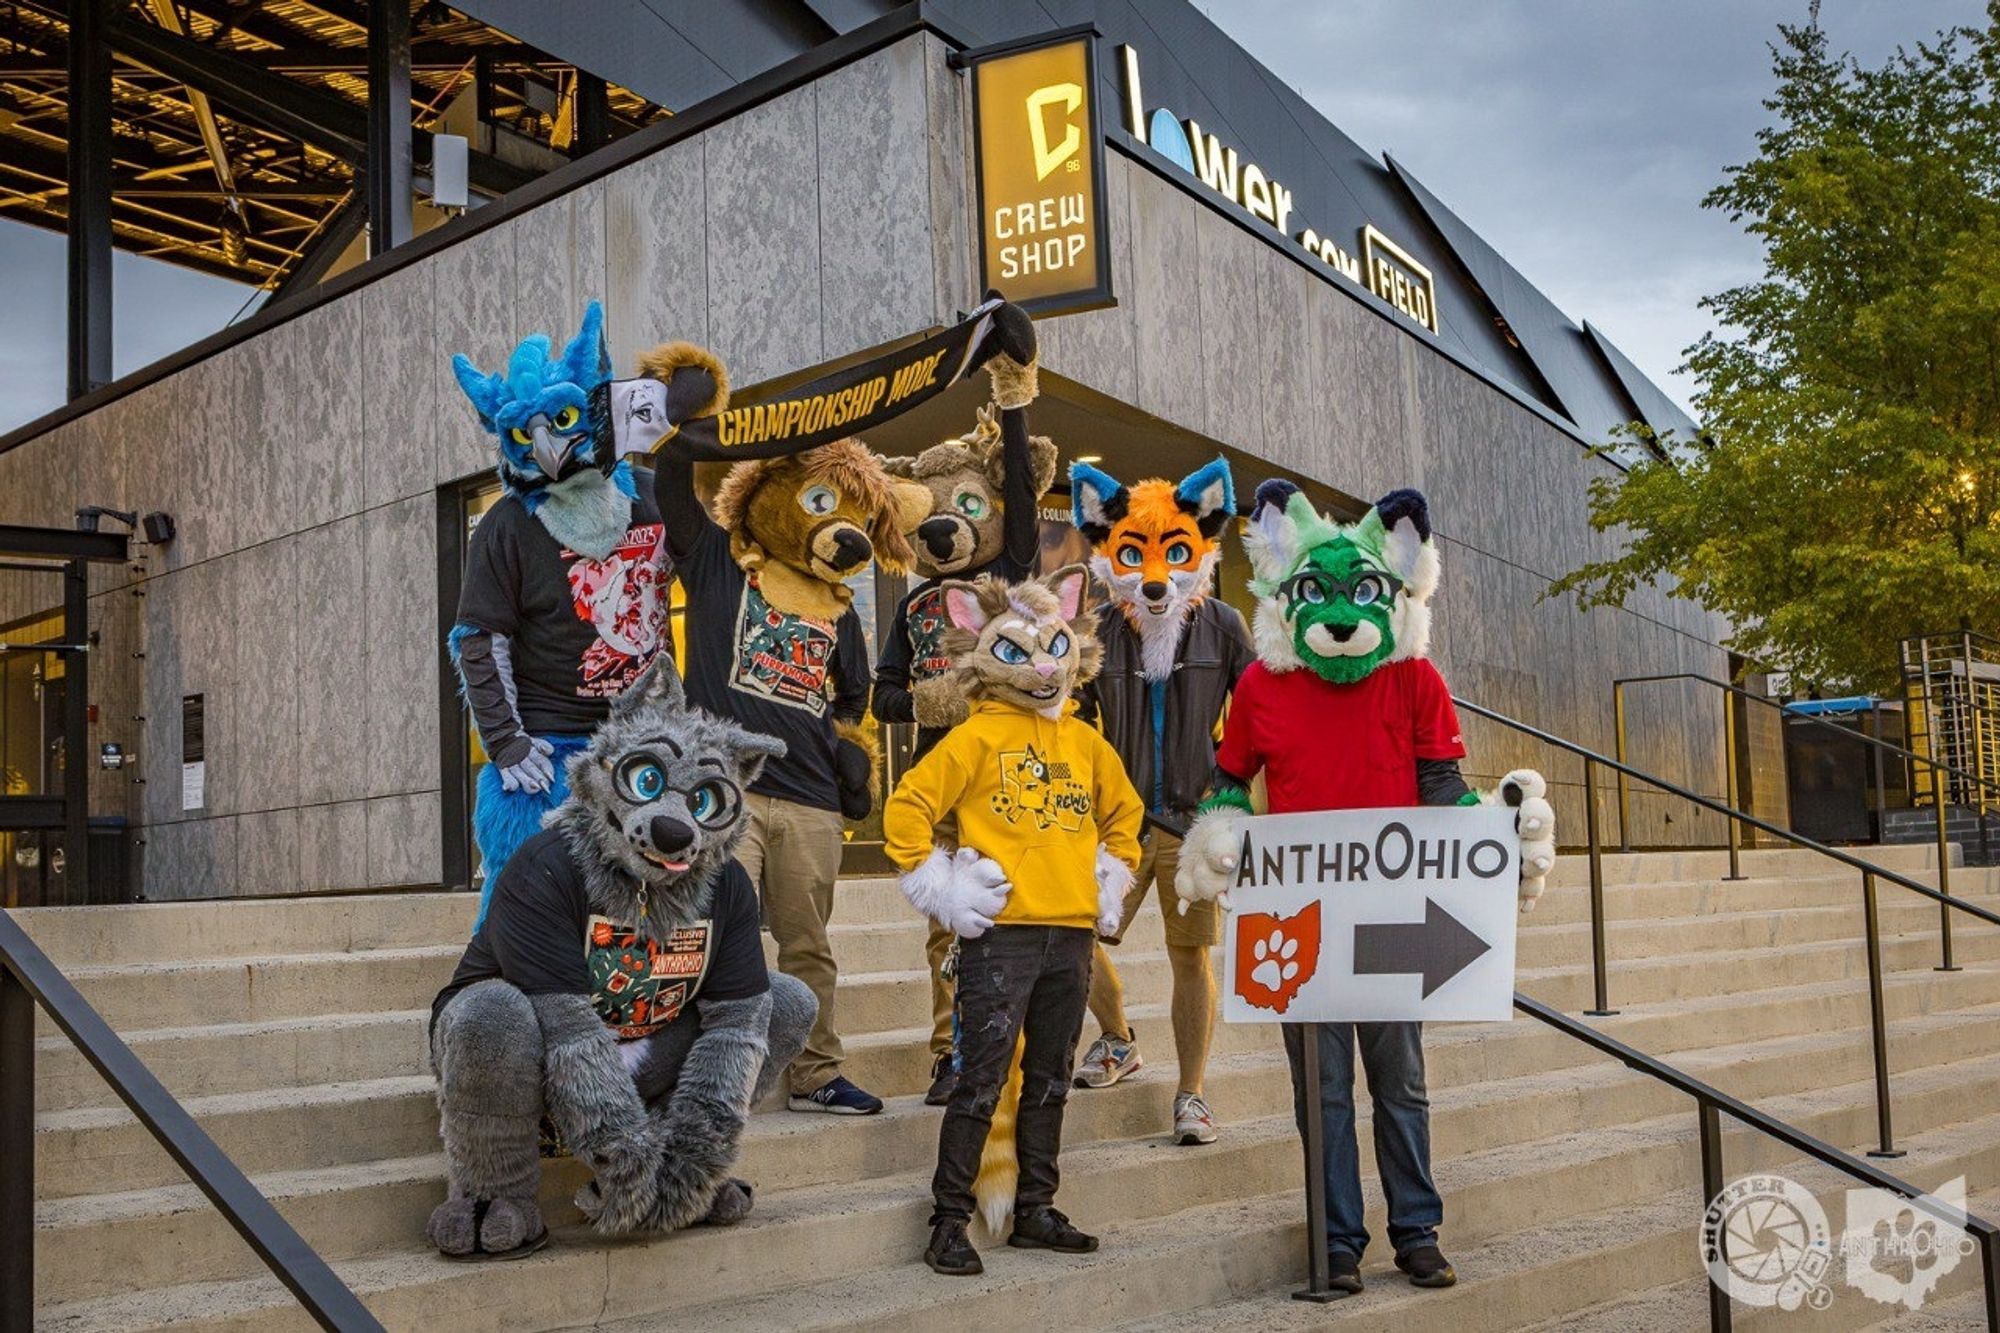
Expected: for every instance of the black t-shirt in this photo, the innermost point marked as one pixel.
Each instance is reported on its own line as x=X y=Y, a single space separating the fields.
x=913 y=652
x=579 y=631
x=786 y=676
x=542 y=936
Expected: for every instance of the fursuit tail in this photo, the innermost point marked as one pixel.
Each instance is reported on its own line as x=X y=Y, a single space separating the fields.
x=999 y=1166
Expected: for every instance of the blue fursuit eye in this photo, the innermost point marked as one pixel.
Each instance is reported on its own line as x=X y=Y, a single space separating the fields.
x=1013 y=654
x=710 y=803
x=1367 y=590
x=1059 y=646
x=641 y=779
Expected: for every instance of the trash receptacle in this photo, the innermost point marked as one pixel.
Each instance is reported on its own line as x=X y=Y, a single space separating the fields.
x=110 y=861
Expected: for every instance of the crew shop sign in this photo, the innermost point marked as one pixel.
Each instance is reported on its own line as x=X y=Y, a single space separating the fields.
x=1040 y=172
x=1373 y=915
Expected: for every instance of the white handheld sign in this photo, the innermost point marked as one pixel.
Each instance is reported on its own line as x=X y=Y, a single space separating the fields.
x=1373 y=915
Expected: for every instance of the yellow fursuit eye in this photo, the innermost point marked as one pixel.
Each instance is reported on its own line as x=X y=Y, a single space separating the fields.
x=567 y=418
x=520 y=436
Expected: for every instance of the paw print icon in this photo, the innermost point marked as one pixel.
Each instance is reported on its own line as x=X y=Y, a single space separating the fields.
x=1276 y=956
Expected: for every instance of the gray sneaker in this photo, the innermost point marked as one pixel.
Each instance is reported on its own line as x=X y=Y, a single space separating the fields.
x=1193 y=1121
x=1108 y=1060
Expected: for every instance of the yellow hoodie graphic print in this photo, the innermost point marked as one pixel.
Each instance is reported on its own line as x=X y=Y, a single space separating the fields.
x=1035 y=794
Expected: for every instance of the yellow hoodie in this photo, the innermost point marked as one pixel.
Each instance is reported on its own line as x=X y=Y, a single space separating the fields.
x=1035 y=795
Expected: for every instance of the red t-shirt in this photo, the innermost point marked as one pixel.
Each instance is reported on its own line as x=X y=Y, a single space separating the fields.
x=1339 y=747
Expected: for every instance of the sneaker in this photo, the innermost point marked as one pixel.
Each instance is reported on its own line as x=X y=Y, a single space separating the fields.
x=1047 y=1229
x=943 y=1079
x=1427 y=1267
x=838 y=1097
x=1108 y=1060
x=950 y=1253
x=1193 y=1121
x=1343 y=1272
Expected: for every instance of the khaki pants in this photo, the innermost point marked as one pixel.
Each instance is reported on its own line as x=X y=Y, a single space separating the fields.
x=1159 y=856
x=792 y=854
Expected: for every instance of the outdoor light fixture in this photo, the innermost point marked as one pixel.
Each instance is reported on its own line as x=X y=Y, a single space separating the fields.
x=157 y=525
x=1090 y=458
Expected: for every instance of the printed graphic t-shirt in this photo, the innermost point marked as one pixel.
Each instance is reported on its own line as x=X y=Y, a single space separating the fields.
x=1339 y=747
x=914 y=649
x=542 y=937
x=579 y=631
x=786 y=676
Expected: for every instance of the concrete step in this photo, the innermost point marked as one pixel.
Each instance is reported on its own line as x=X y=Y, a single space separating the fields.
x=353 y=1210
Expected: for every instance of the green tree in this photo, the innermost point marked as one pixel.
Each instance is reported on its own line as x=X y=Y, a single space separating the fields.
x=1849 y=488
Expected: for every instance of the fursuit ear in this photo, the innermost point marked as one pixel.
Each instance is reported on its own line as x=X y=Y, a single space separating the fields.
x=902 y=466
x=961 y=606
x=1272 y=540
x=1208 y=494
x=1097 y=500
x=1069 y=584
x=1406 y=525
x=484 y=390
x=585 y=361
x=751 y=749
x=659 y=686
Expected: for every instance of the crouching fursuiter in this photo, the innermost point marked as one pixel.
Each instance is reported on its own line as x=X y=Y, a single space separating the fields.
x=1344 y=711
x=618 y=985
x=1047 y=836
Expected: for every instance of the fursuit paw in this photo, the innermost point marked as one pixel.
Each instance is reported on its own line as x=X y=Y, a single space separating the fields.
x=1114 y=881
x=486 y=1228
x=528 y=767
x=962 y=891
x=624 y=1191
x=1525 y=791
x=940 y=702
x=732 y=1204
x=1209 y=857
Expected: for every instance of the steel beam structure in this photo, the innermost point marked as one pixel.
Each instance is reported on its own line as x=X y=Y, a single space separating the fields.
x=89 y=170
x=387 y=167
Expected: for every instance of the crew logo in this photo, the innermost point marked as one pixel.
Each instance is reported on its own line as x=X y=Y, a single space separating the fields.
x=1039 y=791
x=1039 y=101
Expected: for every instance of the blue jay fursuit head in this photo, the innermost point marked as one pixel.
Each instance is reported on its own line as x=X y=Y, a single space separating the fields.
x=565 y=597
x=617 y=988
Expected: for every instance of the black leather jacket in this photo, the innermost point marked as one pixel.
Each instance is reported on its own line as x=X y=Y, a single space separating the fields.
x=1214 y=651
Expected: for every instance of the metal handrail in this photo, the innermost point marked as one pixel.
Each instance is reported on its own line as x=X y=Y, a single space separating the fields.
x=1730 y=691
x=1713 y=1103
x=28 y=978
x=1869 y=871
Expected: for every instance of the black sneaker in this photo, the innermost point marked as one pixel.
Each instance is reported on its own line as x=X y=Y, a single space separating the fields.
x=1047 y=1229
x=943 y=1079
x=1343 y=1272
x=950 y=1253
x=1427 y=1267
x=837 y=1096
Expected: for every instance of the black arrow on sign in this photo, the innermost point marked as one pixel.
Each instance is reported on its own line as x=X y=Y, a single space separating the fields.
x=1440 y=946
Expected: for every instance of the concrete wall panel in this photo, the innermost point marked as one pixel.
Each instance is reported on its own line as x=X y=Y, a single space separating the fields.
x=763 y=221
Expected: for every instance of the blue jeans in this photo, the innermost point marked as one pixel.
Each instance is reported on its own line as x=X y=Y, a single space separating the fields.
x=1393 y=1055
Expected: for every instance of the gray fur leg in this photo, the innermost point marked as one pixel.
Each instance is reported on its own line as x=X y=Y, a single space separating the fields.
x=487 y=1052
x=595 y=1104
x=732 y=1204
x=702 y=1121
x=793 y=1009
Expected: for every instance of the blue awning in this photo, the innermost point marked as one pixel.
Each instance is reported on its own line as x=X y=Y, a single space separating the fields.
x=1853 y=703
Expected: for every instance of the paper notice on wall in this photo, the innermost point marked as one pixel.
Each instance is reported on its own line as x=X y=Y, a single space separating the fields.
x=194 y=765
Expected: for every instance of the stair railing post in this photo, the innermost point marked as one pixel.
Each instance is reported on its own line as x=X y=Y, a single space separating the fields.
x=1618 y=753
x=1944 y=867
x=17 y=1155
x=1878 y=1024
x=1319 y=1281
x=1599 y=972
x=1729 y=783
x=1989 y=1258
x=1719 y=1317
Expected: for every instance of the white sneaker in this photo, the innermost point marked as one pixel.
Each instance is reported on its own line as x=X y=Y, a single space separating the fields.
x=1107 y=1061
x=1193 y=1121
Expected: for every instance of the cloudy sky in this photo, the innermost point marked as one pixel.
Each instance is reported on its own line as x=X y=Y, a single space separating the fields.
x=1577 y=136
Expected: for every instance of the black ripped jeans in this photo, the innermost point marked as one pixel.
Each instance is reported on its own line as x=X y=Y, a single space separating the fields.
x=1011 y=978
